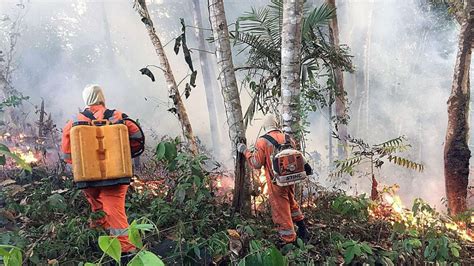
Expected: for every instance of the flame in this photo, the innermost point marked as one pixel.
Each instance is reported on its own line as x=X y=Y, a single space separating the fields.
x=28 y=156
x=395 y=202
x=262 y=188
x=392 y=209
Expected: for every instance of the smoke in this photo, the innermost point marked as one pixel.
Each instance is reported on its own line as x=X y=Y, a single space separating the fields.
x=404 y=55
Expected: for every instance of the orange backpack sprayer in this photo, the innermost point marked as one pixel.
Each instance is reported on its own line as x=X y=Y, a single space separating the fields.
x=288 y=164
x=101 y=153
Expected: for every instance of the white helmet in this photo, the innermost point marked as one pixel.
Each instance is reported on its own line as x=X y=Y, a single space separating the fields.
x=93 y=95
x=270 y=123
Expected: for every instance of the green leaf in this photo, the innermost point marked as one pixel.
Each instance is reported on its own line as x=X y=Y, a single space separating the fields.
x=57 y=202
x=160 y=151
x=300 y=243
x=14 y=258
x=170 y=151
x=177 y=44
x=145 y=227
x=455 y=252
x=146 y=258
x=366 y=248
x=3 y=160
x=274 y=257
x=3 y=252
x=197 y=180
x=349 y=254
x=192 y=80
x=110 y=246
x=134 y=235
x=90 y=264
x=5 y=151
x=197 y=252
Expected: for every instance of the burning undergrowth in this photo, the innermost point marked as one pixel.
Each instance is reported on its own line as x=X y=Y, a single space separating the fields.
x=190 y=207
x=188 y=199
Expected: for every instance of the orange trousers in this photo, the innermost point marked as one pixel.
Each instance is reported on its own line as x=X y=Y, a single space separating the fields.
x=285 y=210
x=111 y=200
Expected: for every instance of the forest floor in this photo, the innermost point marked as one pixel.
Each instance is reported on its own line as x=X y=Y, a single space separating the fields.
x=193 y=224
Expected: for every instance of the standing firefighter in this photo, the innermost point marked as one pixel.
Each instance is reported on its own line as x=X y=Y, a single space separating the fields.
x=100 y=143
x=284 y=166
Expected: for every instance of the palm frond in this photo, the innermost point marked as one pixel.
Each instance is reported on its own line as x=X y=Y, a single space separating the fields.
x=259 y=47
x=318 y=17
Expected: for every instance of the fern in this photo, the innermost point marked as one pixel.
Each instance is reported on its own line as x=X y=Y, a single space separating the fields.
x=375 y=155
x=404 y=162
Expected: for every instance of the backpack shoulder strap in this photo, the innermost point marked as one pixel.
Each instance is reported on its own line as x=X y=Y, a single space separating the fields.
x=272 y=141
x=87 y=113
x=108 y=114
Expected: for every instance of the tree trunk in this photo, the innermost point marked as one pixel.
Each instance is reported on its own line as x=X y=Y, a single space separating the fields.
x=330 y=144
x=241 y=199
x=208 y=76
x=170 y=80
x=340 y=93
x=290 y=65
x=367 y=70
x=456 y=149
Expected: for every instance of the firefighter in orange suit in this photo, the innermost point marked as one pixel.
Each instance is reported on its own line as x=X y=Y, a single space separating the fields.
x=107 y=195
x=284 y=207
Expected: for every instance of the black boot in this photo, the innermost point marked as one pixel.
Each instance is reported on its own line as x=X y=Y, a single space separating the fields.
x=302 y=231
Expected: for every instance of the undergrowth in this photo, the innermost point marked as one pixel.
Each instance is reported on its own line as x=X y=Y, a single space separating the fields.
x=46 y=218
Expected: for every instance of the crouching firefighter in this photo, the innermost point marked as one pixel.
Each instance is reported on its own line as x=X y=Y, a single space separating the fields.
x=284 y=166
x=100 y=144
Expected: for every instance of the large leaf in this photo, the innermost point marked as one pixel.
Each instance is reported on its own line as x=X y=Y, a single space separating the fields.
x=147 y=72
x=14 y=257
x=134 y=235
x=5 y=151
x=170 y=151
x=274 y=257
x=57 y=202
x=146 y=258
x=319 y=16
x=177 y=44
x=160 y=151
x=110 y=246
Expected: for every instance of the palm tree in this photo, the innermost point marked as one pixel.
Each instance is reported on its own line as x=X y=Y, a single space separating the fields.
x=259 y=33
x=290 y=64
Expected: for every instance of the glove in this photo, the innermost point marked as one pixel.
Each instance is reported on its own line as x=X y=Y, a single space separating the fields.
x=308 y=169
x=241 y=147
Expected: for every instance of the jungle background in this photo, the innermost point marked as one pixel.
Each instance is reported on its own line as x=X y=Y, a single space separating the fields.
x=373 y=105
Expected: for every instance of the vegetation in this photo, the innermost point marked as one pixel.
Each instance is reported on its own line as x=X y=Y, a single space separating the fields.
x=181 y=206
x=188 y=222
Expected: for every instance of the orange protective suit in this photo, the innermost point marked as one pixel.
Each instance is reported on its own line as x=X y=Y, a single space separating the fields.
x=109 y=199
x=284 y=207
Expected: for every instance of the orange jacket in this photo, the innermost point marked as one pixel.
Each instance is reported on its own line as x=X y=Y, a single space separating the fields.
x=98 y=111
x=263 y=151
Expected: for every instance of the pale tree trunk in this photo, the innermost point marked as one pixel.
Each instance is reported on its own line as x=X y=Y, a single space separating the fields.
x=170 y=80
x=456 y=149
x=340 y=92
x=291 y=64
x=363 y=110
x=208 y=76
x=241 y=200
